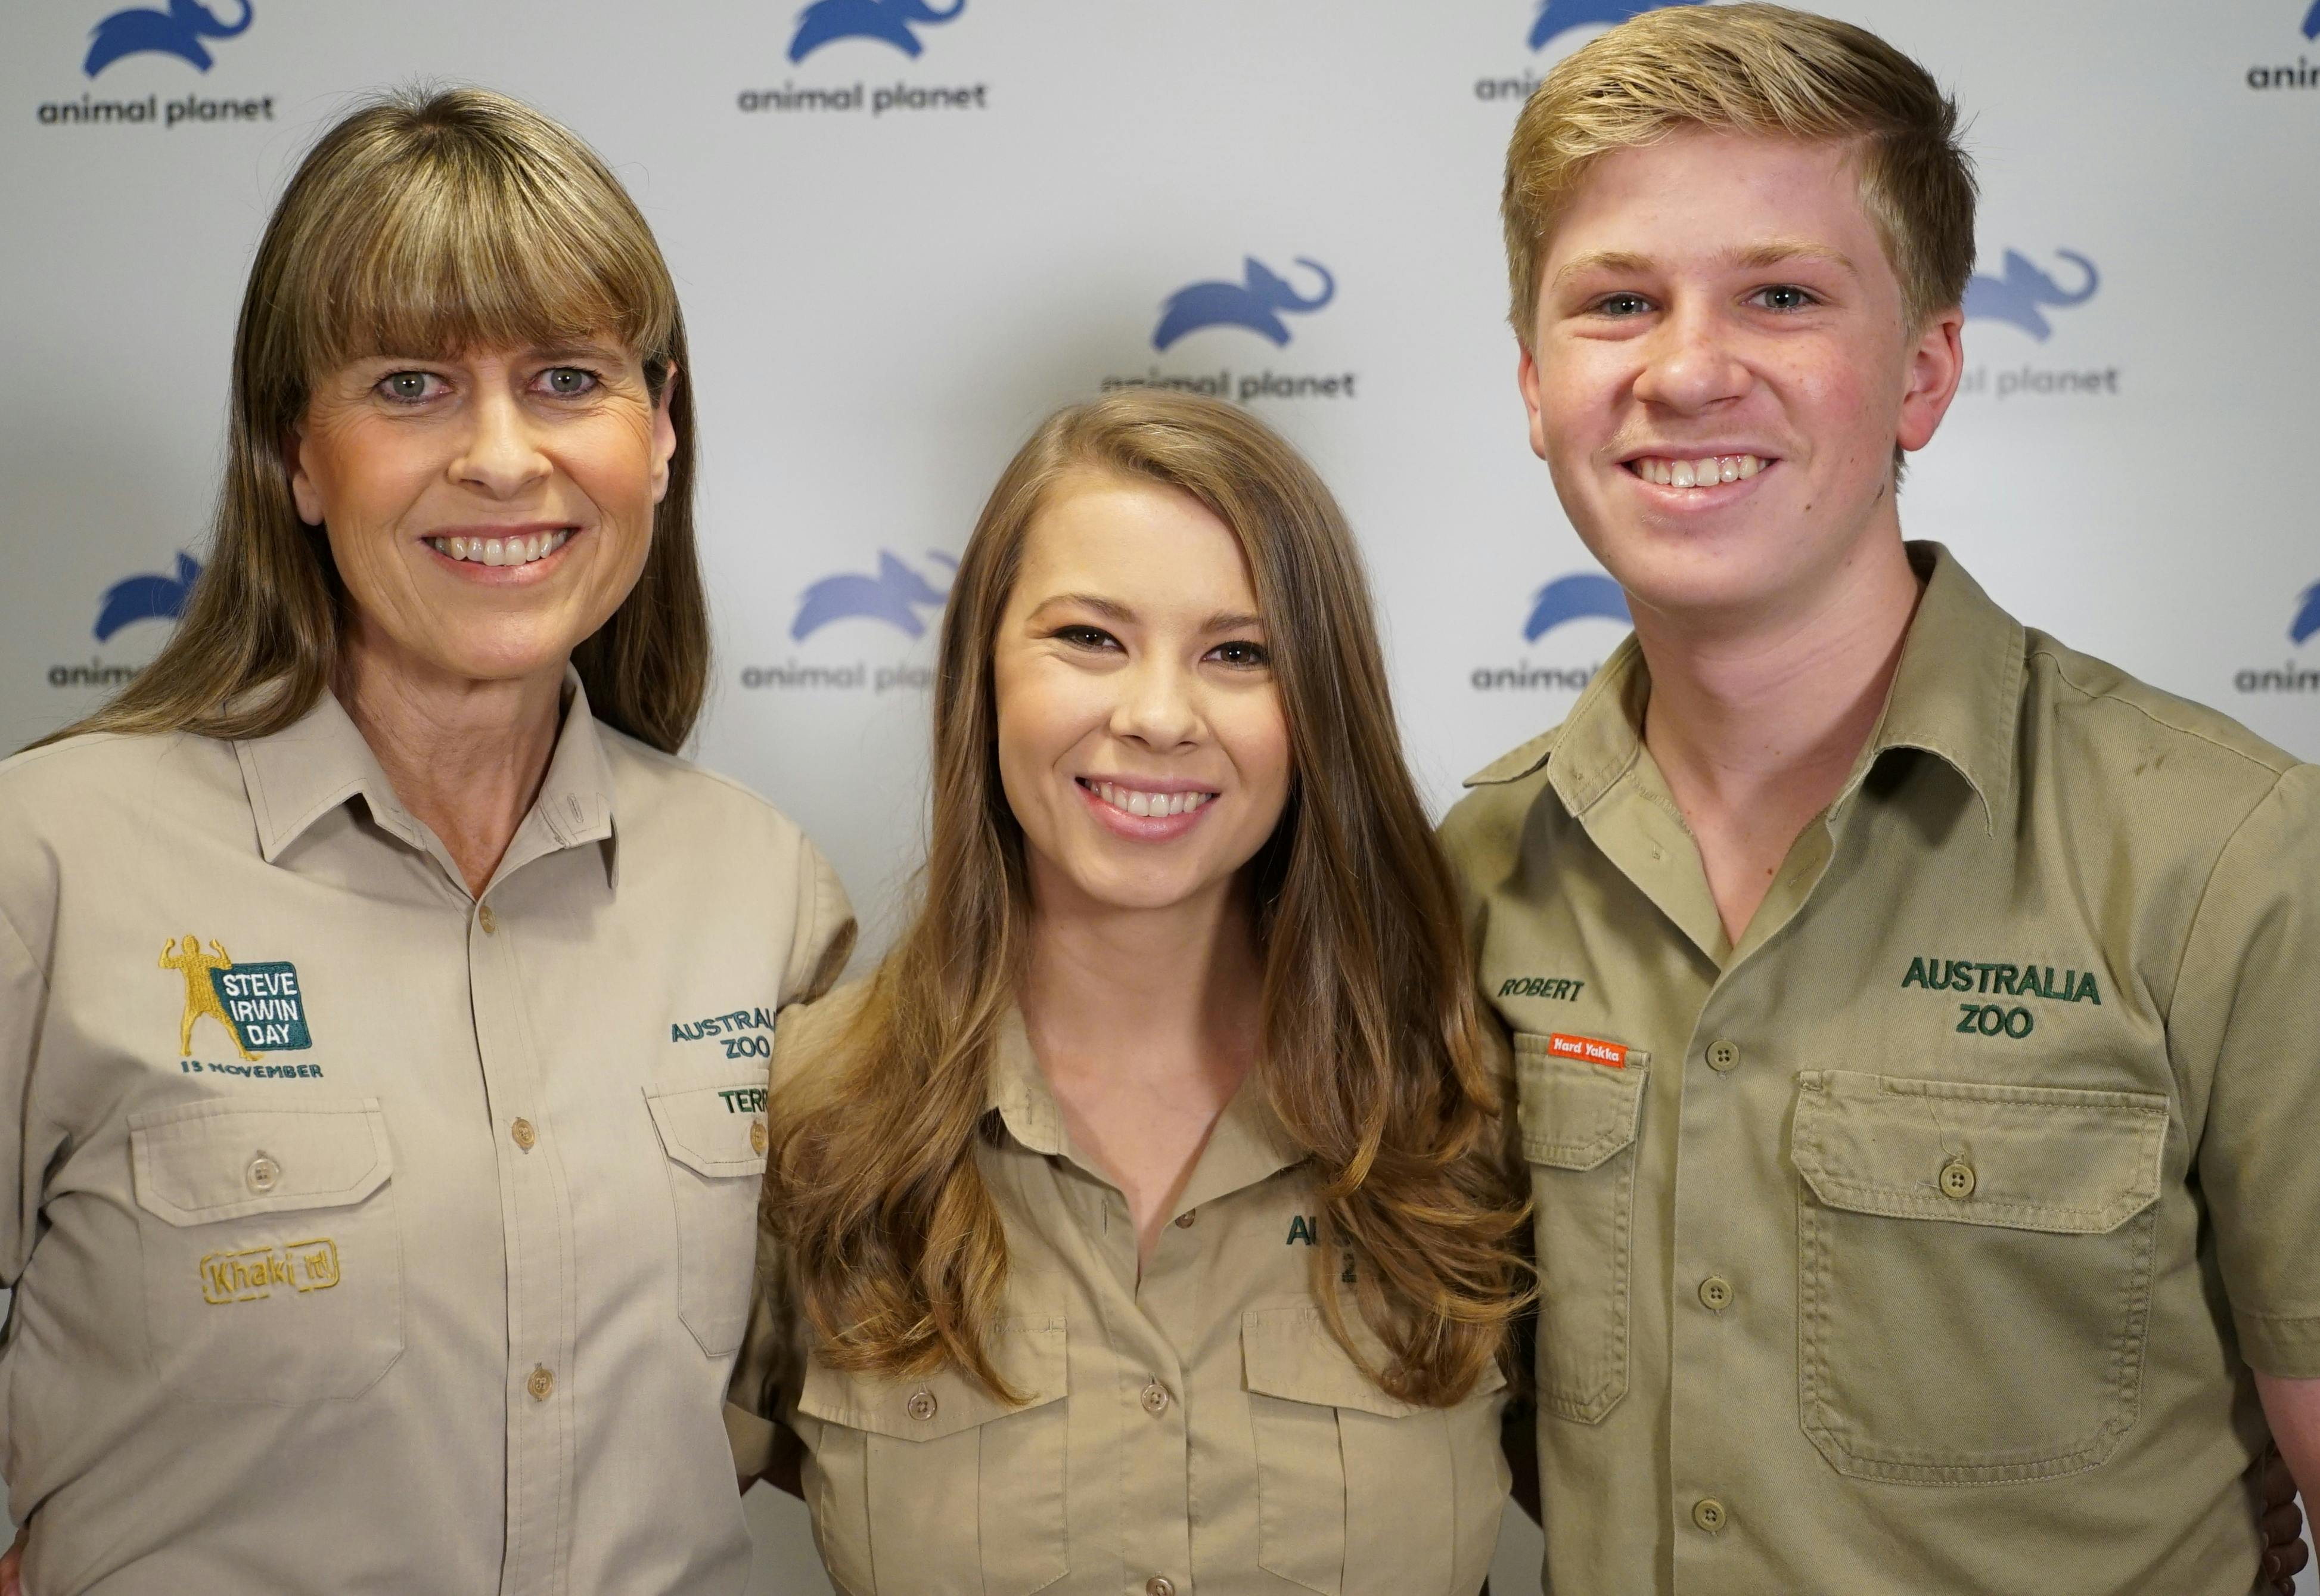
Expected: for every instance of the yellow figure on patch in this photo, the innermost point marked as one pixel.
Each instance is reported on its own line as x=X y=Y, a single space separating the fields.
x=201 y=997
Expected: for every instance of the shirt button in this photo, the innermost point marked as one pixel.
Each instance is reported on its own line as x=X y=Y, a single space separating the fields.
x=1723 y=1056
x=1957 y=1180
x=523 y=1134
x=1716 y=1293
x=1710 y=1515
x=485 y=919
x=922 y=1405
x=1184 y=1220
x=1156 y=1399
x=1159 y=1584
x=756 y=1136
x=543 y=1384
x=265 y=1173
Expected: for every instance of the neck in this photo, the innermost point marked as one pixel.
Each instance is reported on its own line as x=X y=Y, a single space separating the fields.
x=1757 y=722
x=1153 y=992
x=465 y=757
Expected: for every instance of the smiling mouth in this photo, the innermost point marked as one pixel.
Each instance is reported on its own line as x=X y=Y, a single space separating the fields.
x=502 y=551
x=1144 y=804
x=1701 y=471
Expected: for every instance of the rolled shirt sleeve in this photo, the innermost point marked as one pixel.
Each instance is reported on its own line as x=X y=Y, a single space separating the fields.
x=2248 y=999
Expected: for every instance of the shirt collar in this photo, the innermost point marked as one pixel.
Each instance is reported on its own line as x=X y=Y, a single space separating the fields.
x=1246 y=1146
x=302 y=773
x=1956 y=693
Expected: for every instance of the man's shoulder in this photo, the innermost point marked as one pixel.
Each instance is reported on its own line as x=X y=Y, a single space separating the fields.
x=2100 y=724
x=1498 y=797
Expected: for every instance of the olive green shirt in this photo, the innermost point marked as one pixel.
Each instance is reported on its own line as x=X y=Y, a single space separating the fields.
x=1924 y=1240
x=1192 y=1428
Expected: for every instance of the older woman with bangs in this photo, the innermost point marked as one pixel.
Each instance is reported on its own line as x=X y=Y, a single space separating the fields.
x=1140 y=1225
x=384 y=1006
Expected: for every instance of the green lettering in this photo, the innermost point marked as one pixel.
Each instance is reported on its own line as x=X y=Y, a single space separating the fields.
x=1960 y=976
x=1506 y=987
x=2002 y=978
x=1917 y=976
x=2087 y=993
x=1987 y=971
x=1300 y=1228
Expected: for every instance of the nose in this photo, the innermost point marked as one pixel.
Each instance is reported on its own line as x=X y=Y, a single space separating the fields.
x=1157 y=705
x=499 y=455
x=1689 y=363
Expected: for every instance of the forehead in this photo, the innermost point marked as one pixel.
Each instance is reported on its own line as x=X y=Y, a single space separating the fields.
x=1143 y=544
x=1702 y=199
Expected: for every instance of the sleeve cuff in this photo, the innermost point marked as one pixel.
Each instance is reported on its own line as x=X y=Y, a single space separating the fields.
x=2285 y=1349
x=752 y=1439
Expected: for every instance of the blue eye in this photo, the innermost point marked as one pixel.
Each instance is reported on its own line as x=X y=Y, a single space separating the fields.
x=409 y=387
x=1625 y=304
x=1785 y=296
x=570 y=382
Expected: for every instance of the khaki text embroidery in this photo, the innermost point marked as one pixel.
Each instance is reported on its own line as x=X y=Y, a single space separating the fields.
x=250 y=1275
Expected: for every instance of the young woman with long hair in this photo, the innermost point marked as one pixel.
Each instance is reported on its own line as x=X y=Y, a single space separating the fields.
x=1141 y=1218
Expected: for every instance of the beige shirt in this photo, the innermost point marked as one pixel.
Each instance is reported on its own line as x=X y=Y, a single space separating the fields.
x=365 y=1237
x=1923 y=1241
x=1195 y=1430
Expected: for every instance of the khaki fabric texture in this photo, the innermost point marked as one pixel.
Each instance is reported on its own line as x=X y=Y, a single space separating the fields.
x=1921 y=1242
x=364 y=1236
x=1199 y=1427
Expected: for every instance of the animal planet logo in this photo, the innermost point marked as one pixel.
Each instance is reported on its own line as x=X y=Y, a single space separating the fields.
x=146 y=598
x=2294 y=676
x=1557 y=17
x=1257 y=302
x=1583 y=596
x=178 y=31
x=826 y=22
x=892 y=596
x=2303 y=74
x=2026 y=293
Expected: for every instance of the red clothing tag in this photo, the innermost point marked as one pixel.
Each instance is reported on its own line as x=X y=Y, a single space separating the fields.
x=1587 y=1050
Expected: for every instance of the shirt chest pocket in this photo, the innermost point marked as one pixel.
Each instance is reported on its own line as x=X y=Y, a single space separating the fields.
x=1579 y=1124
x=715 y=1139
x=1358 y=1492
x=273 y=1259
x=935 y=1486
x=1973 y=1274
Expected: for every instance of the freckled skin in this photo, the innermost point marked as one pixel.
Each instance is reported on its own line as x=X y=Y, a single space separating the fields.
x=491 y=439
x=1160 y=693
x=1686 y=342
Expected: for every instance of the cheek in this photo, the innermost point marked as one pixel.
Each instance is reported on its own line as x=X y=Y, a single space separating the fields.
x=1256 y=737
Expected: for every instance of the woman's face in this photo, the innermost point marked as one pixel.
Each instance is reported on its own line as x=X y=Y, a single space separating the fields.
x=487 y=511
x=1142 y=743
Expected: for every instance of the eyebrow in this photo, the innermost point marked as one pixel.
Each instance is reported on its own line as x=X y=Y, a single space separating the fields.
x=1113 y=610
x=1756 y=258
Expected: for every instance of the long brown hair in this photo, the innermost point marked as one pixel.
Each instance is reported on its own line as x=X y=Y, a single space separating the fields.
x=424 y=222
x=1372 y=1055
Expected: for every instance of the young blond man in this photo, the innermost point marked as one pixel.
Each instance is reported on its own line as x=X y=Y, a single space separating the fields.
x=1914 y=1024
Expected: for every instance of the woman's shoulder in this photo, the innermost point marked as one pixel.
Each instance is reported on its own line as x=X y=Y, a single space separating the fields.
x=664 y=795
x=94 y=781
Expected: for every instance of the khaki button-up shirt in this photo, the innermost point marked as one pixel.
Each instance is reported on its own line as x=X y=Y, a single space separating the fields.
x=1195 y=1429
x=1922 y=1242
x=366 y=1237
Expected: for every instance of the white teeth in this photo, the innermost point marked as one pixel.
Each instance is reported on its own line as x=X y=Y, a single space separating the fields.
x=1706 y=471
x=1148 y=805
x=500 y=551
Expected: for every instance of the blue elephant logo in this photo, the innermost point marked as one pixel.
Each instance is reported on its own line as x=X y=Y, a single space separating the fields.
x=1558 y=17
x=2026 y=293
x=1256 y=304
x=2307 y=615
x=147 y=597
x=1575 y=598
x=894 y=596
x=825 y=21
x=178 y=31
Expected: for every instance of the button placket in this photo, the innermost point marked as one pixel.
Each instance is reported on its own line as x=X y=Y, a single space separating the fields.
x=264 y=1174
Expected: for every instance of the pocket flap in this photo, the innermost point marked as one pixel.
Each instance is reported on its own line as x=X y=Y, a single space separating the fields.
x=1289 y=1353
x=2042 y=1157
x=1575 y=1115
x=713 y=1130
x=1029 y=1355
x=204 y=1162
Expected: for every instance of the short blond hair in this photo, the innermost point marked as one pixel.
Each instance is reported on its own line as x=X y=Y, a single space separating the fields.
x=1752 y=68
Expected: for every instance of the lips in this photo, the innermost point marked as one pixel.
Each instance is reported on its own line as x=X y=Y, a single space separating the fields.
x=1140 y=813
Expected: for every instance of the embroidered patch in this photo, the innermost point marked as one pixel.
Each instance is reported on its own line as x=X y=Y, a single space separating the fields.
x=251 y=1274
x=260 y=1004
x=1587 y=1050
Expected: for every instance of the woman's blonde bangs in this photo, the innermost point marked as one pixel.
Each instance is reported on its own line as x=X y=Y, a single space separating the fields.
x=482 y=236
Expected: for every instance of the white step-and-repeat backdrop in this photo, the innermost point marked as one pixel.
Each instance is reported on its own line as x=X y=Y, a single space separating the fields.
x=905 y=229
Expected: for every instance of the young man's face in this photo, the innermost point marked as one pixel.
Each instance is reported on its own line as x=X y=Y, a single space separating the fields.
x=1722 y=298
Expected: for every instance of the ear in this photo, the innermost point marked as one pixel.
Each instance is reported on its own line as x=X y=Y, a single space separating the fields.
x=664 y=435
x=1936 y=362
x=303 y=490
x=1527 y=379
